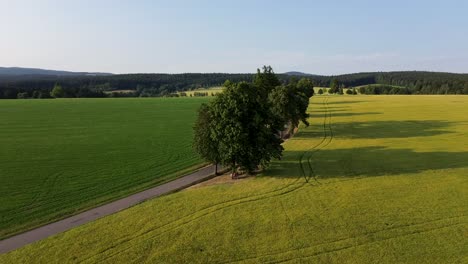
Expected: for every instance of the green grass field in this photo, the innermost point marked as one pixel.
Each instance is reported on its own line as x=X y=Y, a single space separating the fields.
x=374 y=179
x=61 y=156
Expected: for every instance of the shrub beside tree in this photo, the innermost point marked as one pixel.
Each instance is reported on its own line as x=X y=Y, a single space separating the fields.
x=57 y=91
x=22 y=96
x=334 y=87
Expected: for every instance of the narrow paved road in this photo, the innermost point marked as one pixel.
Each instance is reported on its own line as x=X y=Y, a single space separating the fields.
x=31 y=236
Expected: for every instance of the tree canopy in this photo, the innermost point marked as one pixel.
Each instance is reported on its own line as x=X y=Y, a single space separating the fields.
x=205 y=140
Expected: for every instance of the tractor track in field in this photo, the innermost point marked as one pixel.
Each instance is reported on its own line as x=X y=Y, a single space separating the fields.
x=361 y=239
x=311 y=151
x=365 y=242
x=327 y=139
x=181 y=222
x=295 y=186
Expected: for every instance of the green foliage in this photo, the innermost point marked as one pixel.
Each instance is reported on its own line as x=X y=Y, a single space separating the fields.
x=290 y=103
x=36 y=94
x=282 y=102
x=266 y=80
x=334 y=87
x=60 y=156
x=205 y=141
x=383 y=89
x=244 y=128
x=306 y=86
x=57 y=91
x=320 y=91
x=200 y=94
x=22 y=96
x=227 y=83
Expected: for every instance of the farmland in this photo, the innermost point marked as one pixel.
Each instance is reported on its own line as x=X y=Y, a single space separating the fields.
x=374 y=179
x=58 y=157
x=210 y=91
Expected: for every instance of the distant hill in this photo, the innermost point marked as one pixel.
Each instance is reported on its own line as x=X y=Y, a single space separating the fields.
x=297 y=73
x=158 y=84
x=17 y=71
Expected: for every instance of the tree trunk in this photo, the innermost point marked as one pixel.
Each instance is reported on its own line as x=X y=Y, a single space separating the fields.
x=216 y=169
x=233 y=171
x=290 y=129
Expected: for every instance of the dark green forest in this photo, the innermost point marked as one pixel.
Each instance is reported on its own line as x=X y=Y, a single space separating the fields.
x=148 y=85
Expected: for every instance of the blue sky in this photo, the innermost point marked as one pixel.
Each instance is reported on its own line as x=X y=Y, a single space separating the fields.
x=321 y=37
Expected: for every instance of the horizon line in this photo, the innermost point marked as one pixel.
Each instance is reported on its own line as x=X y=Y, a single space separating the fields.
x=169 y=73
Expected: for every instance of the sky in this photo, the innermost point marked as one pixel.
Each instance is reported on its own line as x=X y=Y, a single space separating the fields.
x=319 y=37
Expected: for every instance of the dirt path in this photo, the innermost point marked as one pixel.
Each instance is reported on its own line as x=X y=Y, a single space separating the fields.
x=39 y=233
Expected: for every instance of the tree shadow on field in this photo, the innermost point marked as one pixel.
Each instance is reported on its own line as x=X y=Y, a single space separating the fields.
x=330 y=109
x=364 y=162
x=345 y=102
x=344 y=114
x=384 y=129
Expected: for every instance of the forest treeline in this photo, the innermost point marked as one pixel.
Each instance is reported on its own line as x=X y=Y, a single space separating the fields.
x=148 y=85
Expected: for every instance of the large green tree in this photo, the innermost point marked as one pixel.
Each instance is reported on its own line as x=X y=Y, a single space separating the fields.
x=245 y=128
x=240 y=127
